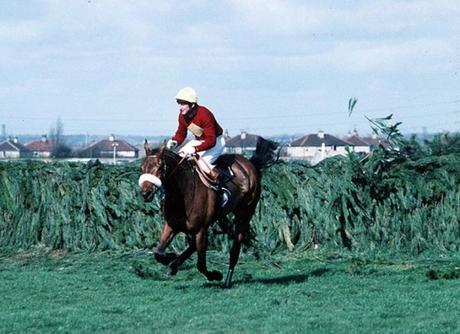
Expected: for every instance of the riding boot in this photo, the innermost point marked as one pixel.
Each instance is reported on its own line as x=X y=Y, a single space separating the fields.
x=214 y=175
x=224 y=194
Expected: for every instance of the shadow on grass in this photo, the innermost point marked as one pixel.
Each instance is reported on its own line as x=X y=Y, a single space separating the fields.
x=288 y=279
x=280 y=280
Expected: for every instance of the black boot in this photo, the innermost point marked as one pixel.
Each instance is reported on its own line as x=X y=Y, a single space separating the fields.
x=223 y=193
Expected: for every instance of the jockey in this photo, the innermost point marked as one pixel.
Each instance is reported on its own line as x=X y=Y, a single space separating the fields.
x=209 y=142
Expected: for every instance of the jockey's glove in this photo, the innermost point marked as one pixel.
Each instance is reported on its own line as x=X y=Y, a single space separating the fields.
x=171 y=144
x=188 y=150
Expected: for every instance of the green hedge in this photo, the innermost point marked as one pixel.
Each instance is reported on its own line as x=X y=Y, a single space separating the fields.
x=401 y=201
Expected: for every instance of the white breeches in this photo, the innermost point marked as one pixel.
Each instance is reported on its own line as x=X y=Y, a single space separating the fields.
x=208 y=157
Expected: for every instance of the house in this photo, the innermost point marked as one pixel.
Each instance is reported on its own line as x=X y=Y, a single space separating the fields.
x=374 y=142
x=359 y=145
x=316 y=147
x=12 y=149
x=42 y=148
x=244 y=142
x=112 y=149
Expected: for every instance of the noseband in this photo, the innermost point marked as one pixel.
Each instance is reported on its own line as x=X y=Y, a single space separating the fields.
x=147 y=177
x=155 y=180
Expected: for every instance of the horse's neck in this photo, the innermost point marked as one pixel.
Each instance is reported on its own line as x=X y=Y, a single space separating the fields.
x=180 y=175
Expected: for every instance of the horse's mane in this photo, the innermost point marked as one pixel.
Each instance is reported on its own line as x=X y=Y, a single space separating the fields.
x=166 y=152
x=187 y=164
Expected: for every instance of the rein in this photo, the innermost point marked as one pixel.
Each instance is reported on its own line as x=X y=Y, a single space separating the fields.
x=168 y=175
x=165 y=174
x=177 y=166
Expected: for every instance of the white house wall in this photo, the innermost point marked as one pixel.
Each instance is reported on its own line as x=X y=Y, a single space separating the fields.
x=364 y=149
x=37 y=154
x=9 y=154
x=119 y=154
x=301 y=152
x=315 y=154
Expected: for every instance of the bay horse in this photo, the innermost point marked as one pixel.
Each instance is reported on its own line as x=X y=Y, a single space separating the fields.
x=191 y=207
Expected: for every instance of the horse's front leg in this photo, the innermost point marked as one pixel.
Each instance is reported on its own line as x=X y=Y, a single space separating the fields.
x=201 y=241
x=174 y=265
x=167 y=235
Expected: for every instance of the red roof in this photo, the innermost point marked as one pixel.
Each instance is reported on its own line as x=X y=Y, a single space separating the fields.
x=40 y=146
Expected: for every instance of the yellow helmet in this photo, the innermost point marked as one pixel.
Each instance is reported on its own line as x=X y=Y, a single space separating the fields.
x=187 y=94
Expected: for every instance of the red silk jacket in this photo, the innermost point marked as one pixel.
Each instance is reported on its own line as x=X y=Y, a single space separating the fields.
x=202 y=124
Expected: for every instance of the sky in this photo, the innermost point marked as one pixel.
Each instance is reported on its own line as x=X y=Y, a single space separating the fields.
x=268 y=67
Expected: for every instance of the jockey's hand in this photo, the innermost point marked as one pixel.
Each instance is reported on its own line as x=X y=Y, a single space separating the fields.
x=171 y=144
x=187 y=150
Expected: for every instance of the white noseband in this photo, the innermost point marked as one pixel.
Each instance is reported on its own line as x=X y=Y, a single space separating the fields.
x=149 y=178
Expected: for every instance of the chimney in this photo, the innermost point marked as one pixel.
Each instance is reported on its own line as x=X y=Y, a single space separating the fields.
x=243 y=135
x=44 y=139
x=15 y=140
x=112 y=138
x=321 y=134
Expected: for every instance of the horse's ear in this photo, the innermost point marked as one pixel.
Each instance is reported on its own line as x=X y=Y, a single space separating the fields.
x=148 y=150
x=162 y=146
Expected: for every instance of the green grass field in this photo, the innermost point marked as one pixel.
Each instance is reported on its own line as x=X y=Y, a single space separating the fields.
x=52 y=291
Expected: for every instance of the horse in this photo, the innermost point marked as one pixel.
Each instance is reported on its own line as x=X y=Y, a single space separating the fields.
x=190 y=207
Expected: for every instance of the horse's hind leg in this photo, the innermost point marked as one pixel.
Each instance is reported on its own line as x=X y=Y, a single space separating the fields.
x=167 y=235
x=234 y=255
x=201 y=240
x=241 y=234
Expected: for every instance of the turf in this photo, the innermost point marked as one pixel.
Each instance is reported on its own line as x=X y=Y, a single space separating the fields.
x=47 y=291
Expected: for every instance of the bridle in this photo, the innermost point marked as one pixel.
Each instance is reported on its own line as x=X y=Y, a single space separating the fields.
x=164 y=175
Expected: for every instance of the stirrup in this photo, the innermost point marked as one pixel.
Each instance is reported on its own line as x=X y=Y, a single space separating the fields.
x=224 y=196
x=162 y=197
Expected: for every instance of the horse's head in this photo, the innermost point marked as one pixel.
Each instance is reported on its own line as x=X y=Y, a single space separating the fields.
x=152 y=171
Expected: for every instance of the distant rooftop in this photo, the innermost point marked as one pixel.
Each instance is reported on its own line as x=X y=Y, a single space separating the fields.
x=13 y=145
x=317 y=139
x=242 y=140
x=42 y=145
x=356 y=141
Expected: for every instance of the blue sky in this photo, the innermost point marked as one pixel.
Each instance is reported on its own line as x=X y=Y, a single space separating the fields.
x=265 y=66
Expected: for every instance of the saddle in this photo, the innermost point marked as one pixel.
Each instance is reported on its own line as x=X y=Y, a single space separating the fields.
x=224 y=170
x=218 y=185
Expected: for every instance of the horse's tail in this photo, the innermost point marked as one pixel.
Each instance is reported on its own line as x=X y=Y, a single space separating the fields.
x=264 y=155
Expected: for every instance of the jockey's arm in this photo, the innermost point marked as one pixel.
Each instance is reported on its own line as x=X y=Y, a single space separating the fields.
x=181 y=132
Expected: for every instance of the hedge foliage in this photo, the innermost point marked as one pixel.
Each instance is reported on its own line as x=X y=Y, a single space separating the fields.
x=403 y=199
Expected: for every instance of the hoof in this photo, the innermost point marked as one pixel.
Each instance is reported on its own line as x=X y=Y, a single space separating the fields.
x=172 y=270
x=215 y=276
x=165 y=258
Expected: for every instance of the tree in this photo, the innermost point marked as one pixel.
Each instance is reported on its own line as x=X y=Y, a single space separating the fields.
x=56 y=135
